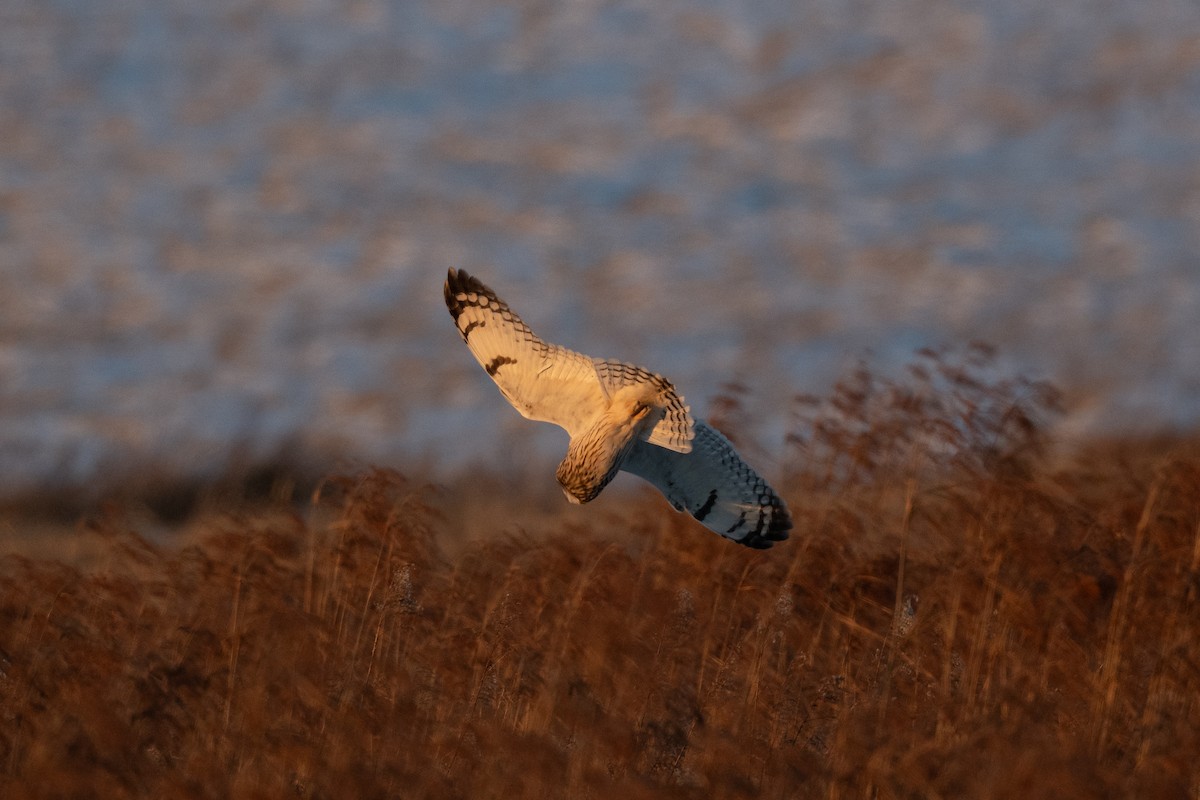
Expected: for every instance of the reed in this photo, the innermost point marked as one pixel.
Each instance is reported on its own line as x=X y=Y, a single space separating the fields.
x=953 y=617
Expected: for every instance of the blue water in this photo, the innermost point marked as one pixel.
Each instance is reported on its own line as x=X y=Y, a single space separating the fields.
x=224 y=227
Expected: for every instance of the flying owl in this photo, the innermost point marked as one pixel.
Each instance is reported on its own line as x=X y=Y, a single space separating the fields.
x=620 y=417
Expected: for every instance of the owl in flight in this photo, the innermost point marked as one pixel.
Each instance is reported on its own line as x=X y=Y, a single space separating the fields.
x=620 y=417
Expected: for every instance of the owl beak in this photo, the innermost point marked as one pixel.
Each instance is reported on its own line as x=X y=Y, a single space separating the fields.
x=572 y=499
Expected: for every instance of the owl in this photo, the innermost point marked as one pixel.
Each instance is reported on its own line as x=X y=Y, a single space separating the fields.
x=619 y=417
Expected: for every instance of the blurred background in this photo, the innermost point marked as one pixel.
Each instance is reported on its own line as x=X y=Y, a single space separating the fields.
x=224 y=226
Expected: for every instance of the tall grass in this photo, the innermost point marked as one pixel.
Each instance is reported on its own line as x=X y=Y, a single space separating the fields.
x=953 y=617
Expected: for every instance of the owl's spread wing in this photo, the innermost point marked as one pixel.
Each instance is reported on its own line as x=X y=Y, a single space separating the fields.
x=550 y=383
x=544 y=382
x=715 y=486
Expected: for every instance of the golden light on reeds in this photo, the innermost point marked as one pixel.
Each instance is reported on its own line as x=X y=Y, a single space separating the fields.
x=954 y=616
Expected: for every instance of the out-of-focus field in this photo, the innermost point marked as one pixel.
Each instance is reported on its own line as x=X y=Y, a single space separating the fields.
x=955 y=616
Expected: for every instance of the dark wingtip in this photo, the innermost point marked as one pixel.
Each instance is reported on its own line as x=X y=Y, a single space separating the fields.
x=778 y=527
x=448 y=288
x=459 y=282
x=462 y=282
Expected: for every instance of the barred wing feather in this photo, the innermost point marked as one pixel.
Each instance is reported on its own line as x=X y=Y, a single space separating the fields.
x=715 y=486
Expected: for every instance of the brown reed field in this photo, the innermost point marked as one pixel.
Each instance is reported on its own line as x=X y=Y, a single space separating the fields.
x=959 y=613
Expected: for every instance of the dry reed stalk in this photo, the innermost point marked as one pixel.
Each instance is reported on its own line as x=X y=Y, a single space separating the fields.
x=1107 y=682
x=234 y=646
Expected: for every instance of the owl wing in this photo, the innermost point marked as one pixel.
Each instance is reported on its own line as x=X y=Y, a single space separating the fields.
x=715 y=486
x=549 y=383
x=544 y=382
